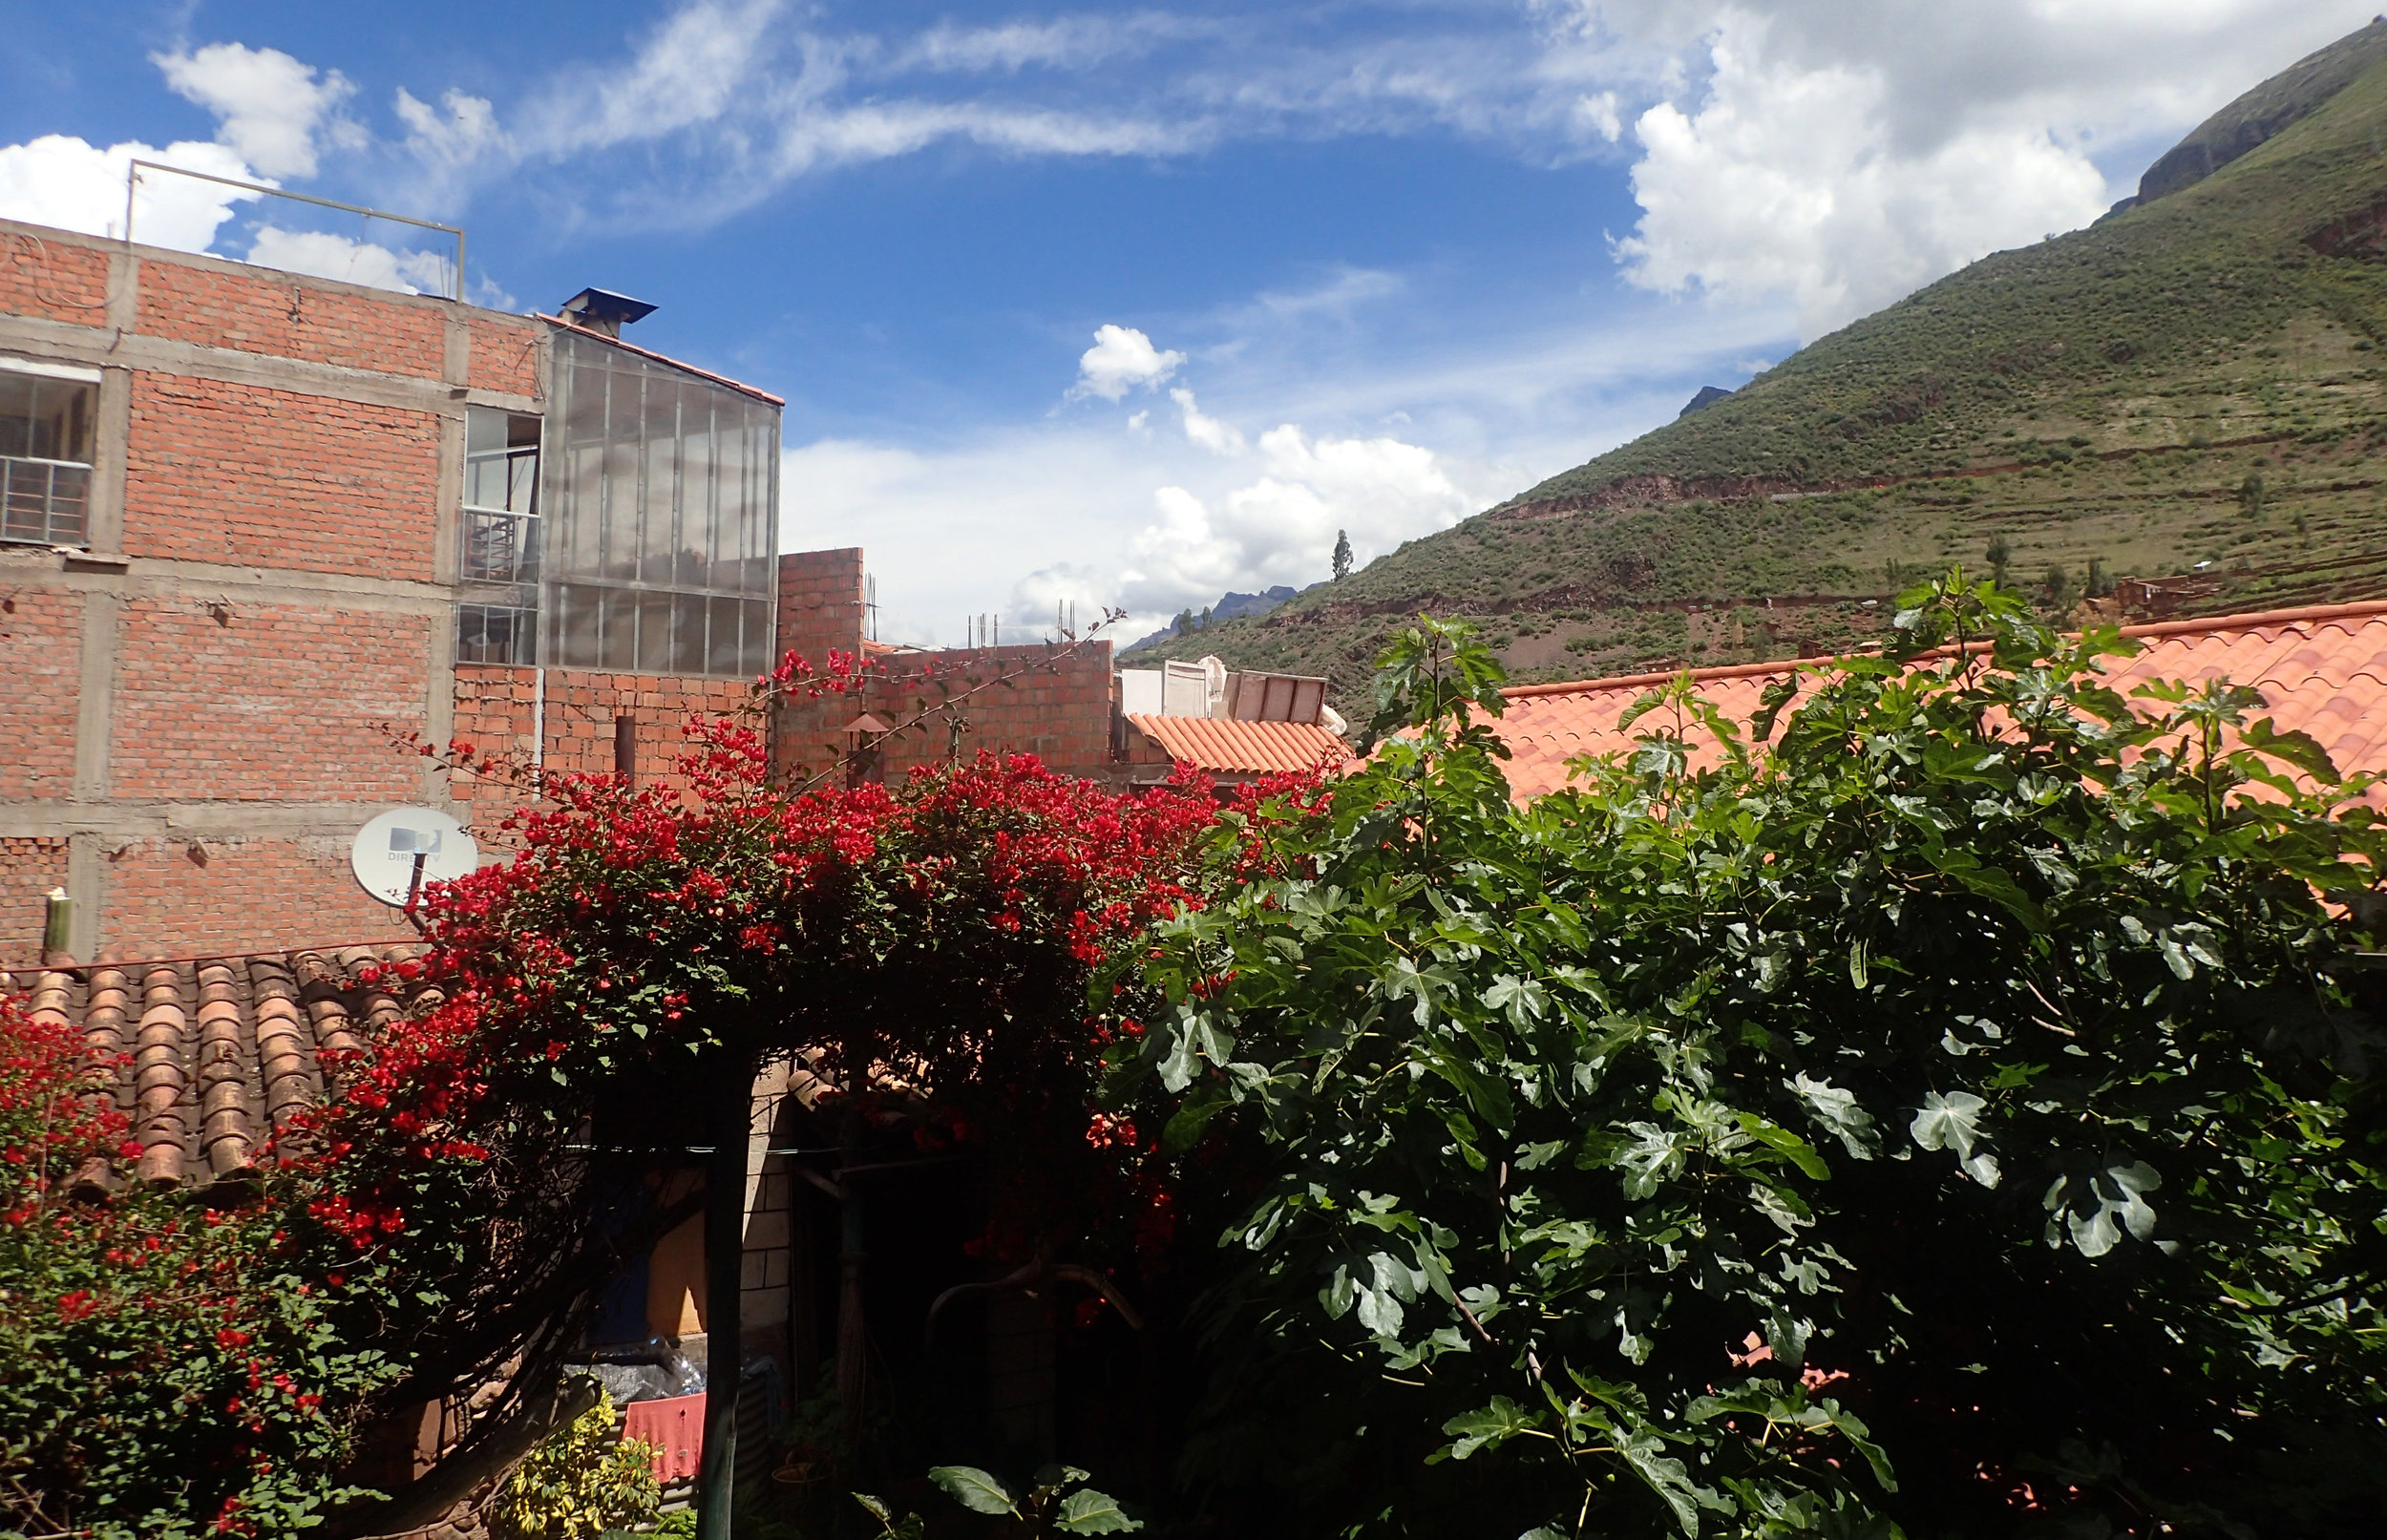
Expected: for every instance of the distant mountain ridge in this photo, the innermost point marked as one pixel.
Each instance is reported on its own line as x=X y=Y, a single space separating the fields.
x=2264 y=112
x=2190 y=390
x=1231 y=606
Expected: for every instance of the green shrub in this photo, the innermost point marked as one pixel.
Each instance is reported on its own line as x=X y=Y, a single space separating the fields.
x=1962 y=1113
x=579 y=1482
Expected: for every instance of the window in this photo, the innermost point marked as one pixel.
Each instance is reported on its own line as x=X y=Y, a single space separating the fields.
x=501 y=496
x=497 y=618
x=46 y=412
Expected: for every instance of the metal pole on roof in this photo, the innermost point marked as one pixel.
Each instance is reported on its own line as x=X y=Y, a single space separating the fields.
x=730 y=1119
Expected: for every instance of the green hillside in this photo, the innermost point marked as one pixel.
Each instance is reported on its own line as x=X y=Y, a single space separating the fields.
x=2190 y=390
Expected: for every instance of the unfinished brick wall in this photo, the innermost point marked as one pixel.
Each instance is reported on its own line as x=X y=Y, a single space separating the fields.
x=41 y=635
x=30 y=867
x=1058 y=709
x=184 y=895
x=278 y=489
x=259 y=311
x=219 y=471
x=496 y=707
x=820 y=603
x=242 y=702
x=505 y=354
x=54 y=281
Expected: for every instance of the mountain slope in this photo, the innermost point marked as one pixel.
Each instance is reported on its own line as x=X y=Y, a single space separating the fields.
x=2191 y=388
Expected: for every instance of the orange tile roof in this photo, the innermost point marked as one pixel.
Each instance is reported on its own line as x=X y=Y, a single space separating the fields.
x=1243 y=748
x=210 y=1058
x=2322 y=670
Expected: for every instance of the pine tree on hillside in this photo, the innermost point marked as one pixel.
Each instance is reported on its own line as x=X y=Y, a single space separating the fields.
x=1342 y=555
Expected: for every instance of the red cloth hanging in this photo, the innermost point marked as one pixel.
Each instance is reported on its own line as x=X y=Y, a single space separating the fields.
x=676 y=1430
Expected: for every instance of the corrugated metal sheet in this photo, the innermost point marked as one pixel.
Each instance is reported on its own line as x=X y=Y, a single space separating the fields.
x=1243 y=748
x=2322 y=670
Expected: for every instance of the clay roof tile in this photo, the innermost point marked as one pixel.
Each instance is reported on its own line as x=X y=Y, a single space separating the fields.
x=219 y=1055
x=2321 y=671
x=1243 y=748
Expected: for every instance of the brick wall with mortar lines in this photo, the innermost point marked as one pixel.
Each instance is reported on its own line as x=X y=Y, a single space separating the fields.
x=1058 y=711
x=505 y=353
x=185 y=896
x=495 y=708
x=41 y=637
x=30 y=867
x=53 y=280
x=237 y=474
x=283 y=318
x=268 y=702
x=821 y=602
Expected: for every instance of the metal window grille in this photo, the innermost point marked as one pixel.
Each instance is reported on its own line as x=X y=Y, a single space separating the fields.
x=496 y=633
x=47 y=503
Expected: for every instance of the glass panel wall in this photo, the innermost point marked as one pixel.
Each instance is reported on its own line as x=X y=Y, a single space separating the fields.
x=630 y=529
x=658 y=508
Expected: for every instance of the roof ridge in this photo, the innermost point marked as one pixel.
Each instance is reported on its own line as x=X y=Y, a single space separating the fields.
x=2157 y=629
x=757 y=392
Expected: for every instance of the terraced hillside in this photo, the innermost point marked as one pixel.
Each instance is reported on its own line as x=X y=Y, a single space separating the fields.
x=2192 y=393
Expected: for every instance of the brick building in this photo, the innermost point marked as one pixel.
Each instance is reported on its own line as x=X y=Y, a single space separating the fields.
x=257 y=524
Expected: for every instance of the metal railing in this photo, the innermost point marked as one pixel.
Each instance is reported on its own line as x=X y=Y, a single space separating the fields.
x=132 y=180
x=45 y=502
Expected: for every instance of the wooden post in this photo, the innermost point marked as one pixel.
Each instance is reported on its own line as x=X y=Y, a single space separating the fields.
x=731 y=1118
x=852 y=1339
x=626 y=748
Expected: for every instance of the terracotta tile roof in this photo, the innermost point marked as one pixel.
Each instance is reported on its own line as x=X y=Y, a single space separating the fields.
x=1243 y=748
x=2322 y=670
x=219 y=1053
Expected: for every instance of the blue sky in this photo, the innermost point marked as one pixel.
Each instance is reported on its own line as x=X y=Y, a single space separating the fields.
x=1352 y=265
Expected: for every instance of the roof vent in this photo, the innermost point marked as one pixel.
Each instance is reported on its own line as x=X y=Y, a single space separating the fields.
x=604 y=311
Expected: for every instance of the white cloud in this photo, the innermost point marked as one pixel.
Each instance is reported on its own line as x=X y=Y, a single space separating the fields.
x=1845 y=152
x=323 y=255
x=71 y=184
x=1280 y=526
x=1209 y=433
x=465 y=133
x=1071 y=506
x=1121 y=360
x=704 y=60
x=1065 y=42
x=274 y=110
x=1787 y=180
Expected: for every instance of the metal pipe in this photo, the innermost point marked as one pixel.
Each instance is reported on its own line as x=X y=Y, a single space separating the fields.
x=134 y=169
x=58 y=929
x=732 y=1117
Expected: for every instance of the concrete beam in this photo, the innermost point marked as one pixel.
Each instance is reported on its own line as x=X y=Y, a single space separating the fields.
x=117 y=821
x=160 y=578
x=100 y=347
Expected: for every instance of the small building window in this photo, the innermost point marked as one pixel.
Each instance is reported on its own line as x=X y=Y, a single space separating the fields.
x=501 y=496
x=46 y=412
x=496 y=616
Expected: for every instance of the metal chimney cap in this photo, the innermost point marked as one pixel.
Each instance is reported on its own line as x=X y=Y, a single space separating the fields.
x=602 y=309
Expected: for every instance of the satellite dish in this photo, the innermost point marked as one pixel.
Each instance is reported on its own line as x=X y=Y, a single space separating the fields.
x=397 y=855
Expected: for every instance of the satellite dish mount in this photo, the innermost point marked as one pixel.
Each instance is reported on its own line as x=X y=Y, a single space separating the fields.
x=399 y=851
